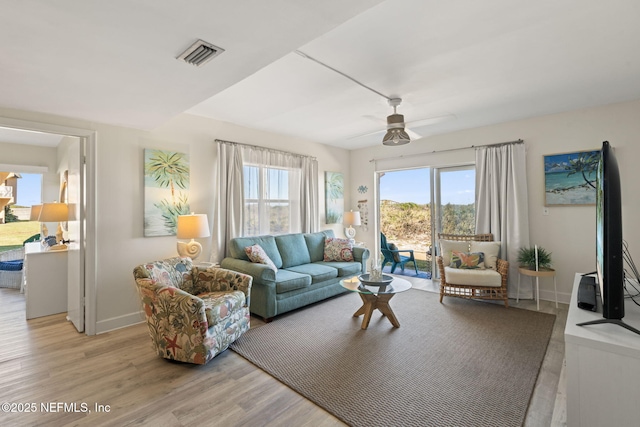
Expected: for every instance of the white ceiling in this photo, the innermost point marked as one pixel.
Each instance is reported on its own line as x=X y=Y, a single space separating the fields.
x=478 y=62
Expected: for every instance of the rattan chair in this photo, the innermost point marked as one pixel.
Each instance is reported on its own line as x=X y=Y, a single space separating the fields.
x=489 y=285
x=11 y=268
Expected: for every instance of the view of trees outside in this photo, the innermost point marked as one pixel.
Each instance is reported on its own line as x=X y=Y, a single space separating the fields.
x=405 y=208
x=267 y=207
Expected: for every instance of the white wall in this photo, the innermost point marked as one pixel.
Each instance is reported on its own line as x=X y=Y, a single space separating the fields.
x=568 y=231
x=120 y=240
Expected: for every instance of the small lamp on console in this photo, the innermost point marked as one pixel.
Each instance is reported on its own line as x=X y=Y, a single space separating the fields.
x=351 y=218
x=35 y=216
x=55 y=212
x=192 y=227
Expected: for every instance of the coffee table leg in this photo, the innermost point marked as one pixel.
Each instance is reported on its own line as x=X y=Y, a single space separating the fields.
x=385 y=308
x=372 y=302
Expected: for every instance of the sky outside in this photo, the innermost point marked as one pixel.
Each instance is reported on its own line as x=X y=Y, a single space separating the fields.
x=412 y=185
x=29 y=189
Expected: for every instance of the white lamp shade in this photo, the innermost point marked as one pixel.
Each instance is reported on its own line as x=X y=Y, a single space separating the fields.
x=54 y=212
x=351 y=218
x=35 y=213
x=193 y=226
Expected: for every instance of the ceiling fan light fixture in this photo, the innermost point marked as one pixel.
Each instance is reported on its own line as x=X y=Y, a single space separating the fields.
x=396 y=136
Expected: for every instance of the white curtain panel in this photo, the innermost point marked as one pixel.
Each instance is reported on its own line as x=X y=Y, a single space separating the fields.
x=229 y=206
x=502 y=204
x=309 y=210
x=229 y=202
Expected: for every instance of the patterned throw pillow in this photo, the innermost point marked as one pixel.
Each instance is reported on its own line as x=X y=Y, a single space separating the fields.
x=337 y=250
x=467 y=260
x=258 y=255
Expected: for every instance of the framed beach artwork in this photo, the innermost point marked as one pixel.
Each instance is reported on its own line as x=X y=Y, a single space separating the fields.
x=570 y=178
x=166 y=191
x=334 y=197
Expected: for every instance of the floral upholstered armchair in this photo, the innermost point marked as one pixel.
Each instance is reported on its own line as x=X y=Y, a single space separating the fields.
x=193 y=313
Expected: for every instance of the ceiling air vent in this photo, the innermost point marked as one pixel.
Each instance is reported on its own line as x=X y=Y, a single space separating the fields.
x=200 y=53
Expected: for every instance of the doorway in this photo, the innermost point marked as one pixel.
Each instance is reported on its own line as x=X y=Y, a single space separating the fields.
x=83 y=265
x=416 y=204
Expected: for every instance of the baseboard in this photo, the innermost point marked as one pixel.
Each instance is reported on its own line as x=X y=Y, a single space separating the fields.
x=119 y=322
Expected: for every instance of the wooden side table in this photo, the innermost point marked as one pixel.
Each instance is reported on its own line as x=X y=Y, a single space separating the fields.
x=543 y=272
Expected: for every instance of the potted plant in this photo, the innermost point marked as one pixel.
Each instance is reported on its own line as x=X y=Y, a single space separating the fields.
x=527 y=258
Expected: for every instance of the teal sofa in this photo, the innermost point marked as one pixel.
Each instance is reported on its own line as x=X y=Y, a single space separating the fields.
x=303 y=277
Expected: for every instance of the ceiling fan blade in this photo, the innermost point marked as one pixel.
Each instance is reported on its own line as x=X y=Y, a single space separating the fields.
x=412 y=134
x=431 y=120
x=362 y=135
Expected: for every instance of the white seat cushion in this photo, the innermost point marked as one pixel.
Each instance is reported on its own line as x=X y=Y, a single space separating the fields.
x=477 y=277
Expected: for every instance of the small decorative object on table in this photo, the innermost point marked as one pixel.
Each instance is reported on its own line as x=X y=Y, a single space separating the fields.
x=370 y=280
x=376 y=270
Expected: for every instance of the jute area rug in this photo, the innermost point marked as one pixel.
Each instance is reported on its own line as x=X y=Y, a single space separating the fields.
x=461 y=363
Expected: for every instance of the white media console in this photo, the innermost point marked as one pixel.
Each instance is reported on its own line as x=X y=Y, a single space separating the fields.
x=603 y=367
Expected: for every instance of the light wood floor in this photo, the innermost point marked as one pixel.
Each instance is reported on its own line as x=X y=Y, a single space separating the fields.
x=46 y=362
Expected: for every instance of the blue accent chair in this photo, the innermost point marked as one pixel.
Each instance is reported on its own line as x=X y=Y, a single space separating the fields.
x=393 y=256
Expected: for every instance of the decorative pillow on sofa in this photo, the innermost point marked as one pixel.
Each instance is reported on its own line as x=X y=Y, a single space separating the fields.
x=396 y=256
x=467 y=260
x=491 y=250
x=337 y=250
x=258 y=255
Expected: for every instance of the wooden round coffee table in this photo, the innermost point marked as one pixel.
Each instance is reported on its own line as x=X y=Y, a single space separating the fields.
x=376 y=297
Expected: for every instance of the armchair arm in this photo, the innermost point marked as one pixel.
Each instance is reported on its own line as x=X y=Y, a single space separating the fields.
x=399 y=251
x=502 y=267
x=443 y=278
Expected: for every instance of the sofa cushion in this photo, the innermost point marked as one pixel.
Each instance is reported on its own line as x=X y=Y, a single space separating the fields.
x=218 y=306
x=293 y=250
x=344 y=268
x=491 y=252
x=486 y=277
x=290 y=280
x=337 y=250
x=268 y=243
x=318 y=273
x=315 y=244
x=258 y=255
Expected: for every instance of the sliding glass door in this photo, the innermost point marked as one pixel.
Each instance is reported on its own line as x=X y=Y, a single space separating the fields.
x=455 y=200
x=417 y=204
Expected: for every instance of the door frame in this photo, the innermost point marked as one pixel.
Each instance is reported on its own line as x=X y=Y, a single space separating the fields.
x=91 y=138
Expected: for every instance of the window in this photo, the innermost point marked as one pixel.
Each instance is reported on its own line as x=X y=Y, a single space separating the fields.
x=271 y=204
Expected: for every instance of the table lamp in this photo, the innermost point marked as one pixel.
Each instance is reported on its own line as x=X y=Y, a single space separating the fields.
x=35 y=216
x=351 y=218
x=55 y=212
x=192 y=227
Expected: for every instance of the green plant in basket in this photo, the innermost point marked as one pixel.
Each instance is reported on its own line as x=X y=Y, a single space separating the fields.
x=527 y=258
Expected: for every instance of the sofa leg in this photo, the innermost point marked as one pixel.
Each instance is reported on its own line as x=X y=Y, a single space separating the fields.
x=267 y=319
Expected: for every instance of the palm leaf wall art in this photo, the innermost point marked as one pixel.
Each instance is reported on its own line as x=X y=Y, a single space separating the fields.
x=166 y=191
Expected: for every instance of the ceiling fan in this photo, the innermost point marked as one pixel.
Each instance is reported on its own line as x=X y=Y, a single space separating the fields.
x=398 y=131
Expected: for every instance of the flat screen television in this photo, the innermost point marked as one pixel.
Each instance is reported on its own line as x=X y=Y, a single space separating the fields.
x=609 y=244
x=609 y=261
